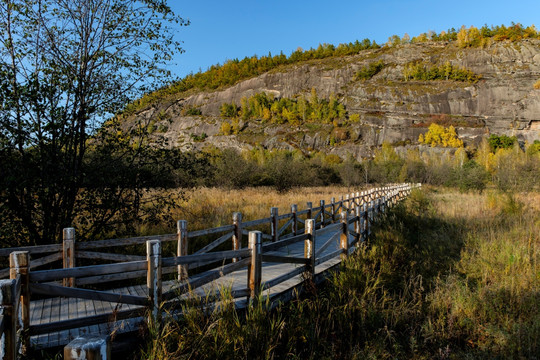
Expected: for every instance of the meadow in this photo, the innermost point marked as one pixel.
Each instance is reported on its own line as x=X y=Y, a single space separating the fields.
x=445 y=275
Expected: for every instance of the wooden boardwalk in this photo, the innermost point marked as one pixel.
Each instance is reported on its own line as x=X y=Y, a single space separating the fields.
x=56 y=305
x=55 y=309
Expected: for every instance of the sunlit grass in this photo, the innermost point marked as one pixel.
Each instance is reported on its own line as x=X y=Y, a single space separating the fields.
x=446 y=275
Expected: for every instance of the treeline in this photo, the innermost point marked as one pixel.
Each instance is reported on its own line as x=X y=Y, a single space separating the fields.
x=235 y=70
x=499 y=162
x=280 y=110
x=426 y=72
x=472 y=36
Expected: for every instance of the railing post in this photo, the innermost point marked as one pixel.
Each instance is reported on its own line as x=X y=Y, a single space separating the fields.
x=366 y=220
x=294 y=210
x=9 y=314
x=348 y=208
x=274 y=213
x=370 y=216
x=255 y=267
x=19 y=264
x=323 y=215
x=237 y=234
x=153 y=278
x=357 y=224
x=69 y=253
x=182 y=248
x=333 y=209
x=309 y=206
x=344 y=238
x=309 y=248
x=88 y=347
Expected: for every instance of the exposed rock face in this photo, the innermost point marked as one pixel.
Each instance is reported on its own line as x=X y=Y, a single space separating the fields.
x=504 y=101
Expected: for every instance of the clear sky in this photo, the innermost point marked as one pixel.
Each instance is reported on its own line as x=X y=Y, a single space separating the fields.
x=222 y=30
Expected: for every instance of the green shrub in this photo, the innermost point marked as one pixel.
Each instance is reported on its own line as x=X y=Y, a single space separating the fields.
x=369 y=71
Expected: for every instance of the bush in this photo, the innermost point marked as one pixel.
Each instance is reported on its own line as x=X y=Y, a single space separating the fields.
x=497 y=142
x=471 y=176
x=369 y=71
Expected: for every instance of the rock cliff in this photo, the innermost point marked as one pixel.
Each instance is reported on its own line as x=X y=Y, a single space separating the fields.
x=391 y=109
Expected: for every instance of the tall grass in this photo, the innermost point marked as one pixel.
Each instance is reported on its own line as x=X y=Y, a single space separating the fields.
x=445 y=275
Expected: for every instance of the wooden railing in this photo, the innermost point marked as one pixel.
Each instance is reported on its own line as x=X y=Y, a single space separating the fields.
x=357 y=209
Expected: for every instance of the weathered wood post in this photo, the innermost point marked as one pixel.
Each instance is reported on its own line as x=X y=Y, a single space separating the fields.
x=357 y=223
x=88 y=348
x=9 y=312
x=294 y=210
x=255 y=267
x=153 y=278
x=237 y=233
x=344 y=238
x=182 y=248
x=68 y=253
x=323 y=215
x=348 y=208
x=309 y=206
x=19 y=264
x=333 y=209
x=309 y=249
x=370 y=216
x=274 y=214
x=366 y=220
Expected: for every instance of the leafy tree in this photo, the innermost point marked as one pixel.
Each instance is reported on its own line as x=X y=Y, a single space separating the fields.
x=65 y=66
x=438 y=135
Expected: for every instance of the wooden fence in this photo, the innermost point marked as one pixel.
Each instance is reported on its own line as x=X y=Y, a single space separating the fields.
x=351 y=216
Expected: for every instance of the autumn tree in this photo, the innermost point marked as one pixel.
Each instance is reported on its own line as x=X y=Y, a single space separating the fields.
x=438 y=135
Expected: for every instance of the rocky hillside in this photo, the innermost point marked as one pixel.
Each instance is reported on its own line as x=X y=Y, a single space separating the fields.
x=390 y=109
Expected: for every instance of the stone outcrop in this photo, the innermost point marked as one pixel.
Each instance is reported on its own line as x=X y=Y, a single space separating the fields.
x=504 y=101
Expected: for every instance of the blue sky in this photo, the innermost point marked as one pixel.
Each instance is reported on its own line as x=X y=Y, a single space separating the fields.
x=222 y=30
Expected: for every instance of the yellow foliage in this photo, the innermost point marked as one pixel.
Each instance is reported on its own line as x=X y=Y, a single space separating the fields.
x=537 y=84
x=484 y=156
x=438 y=135
x=226 y=128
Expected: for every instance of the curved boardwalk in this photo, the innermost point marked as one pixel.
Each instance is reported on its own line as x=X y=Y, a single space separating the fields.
x=55 y=306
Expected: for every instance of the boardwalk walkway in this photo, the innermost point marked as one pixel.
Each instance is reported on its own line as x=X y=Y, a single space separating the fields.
x=55 y=309
x=56 y=305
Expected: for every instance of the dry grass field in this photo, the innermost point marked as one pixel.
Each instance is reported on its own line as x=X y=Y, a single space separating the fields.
x=446 y=275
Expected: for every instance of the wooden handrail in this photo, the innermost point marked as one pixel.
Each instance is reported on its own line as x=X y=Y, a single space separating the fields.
x=58 y=274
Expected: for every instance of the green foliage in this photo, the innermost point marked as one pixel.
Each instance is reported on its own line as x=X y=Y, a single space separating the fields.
x=369 y=71
x=235 y=70
x=425 y=72
x=438 y=135
x=199 y=138
x=193 y=111
x=228 y=110
x=471 y=176
x=474 y=37
x=56 y=87
x=497 y=142
x=286 y=110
